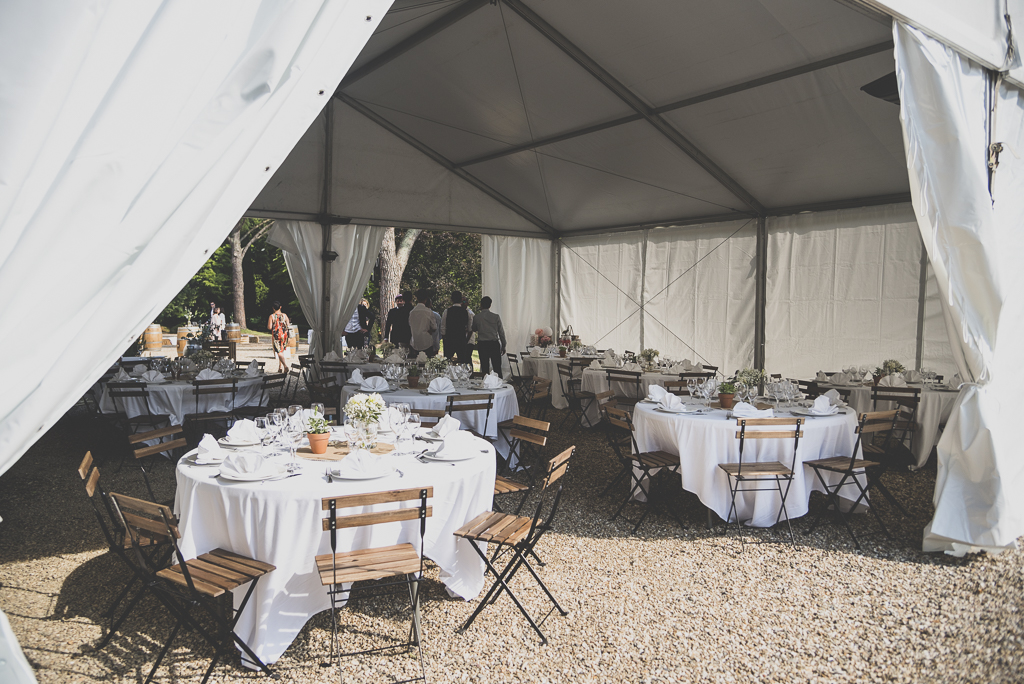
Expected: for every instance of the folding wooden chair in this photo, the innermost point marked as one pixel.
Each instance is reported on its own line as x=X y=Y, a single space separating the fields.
x=121 y=391
x=330 y=369
x=215 y=422
x=852 y=468
x=324 y=391
x=516 y=378
x=167 y=443
x=525 y=435
x=292 y=383
x=219 y=348
x=519 y=535
x=621 y=438
x=429 y=417
x=400 y=564
x=900 y=443
x=629 y=381
x=268 y=385
x=579 y=400
x=701 y=377
x=677 y=387
x=242 y=365
x=466 y=403
x=192 y=584
x=538 y=397
x=762 y=472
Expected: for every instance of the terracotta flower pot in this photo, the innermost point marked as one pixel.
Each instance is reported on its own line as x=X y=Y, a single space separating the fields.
x=561 y=352
x=414 y=382
x=318 y=442
x=725 y=400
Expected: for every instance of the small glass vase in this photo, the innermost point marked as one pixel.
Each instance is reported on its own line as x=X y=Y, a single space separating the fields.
x=366 y=436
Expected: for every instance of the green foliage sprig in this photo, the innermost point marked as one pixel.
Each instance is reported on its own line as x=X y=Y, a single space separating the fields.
x=890 y=366
x=727 y=388
x=752 y=377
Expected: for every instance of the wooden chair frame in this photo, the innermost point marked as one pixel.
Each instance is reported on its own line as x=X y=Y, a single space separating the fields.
x=119 y=391
x=629 y=379
x=266 y=401
x=907 y=400
x=538 y=397
x=579 y=400
x=167 y=443
x=464 y=403
x=524 y=435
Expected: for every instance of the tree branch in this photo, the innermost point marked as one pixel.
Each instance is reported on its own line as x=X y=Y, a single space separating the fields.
x=405 y=247
x=255 y=232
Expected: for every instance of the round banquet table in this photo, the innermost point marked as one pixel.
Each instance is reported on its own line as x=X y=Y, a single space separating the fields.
x=176 y=399
x=703 y=441
x=932 y=412
x=505 y=407
x=278 y=522
x=547 y=367
x=596 y=381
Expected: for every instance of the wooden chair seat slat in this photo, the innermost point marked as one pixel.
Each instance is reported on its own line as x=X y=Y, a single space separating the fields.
x=755 y=469
x=360 y=519
x=359 y=500
x=479 y=524
x=251 y=563
x=657 y=459
x=840 y=464
x=503 y=485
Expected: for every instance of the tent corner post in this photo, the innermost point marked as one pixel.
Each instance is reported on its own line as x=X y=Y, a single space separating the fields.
x=760 y=291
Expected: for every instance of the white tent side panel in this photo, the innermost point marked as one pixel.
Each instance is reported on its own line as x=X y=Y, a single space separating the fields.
x=699 y=293
x=298 y=185
x=843 y=289
x=600 y=289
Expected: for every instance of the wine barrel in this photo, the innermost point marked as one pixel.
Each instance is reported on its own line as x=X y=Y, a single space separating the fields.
x=183 y=332
x=153 y=338
x=233 y=332
x=293 y=340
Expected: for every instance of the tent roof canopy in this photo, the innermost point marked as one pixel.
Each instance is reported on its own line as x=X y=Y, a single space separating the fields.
x=552 y=118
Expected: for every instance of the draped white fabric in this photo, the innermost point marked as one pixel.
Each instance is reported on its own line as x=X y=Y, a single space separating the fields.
x=518 y=275
x=699 y=293
x=302 y=244
x=601 y=283
x=134 y=134
x=974 y=242
x=843 y=288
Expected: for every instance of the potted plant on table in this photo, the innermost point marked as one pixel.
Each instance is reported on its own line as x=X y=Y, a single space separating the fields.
x=414 y=376
x=562 y=350
x=318 y=433
x=726 y=394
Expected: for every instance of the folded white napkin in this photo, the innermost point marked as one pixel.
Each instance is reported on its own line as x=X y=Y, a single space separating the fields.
x=446 y=426
x=122 y=376
x=359 y=463
x=679 y=368
x=253 y=369
x=840 y=379
x=821 y=377
x=913 y=376
x=833 y=397
x=458 y=441
x=440 y=386
x=356 y=376
x=671 y=402
x=609 y=353
x=244 y=431
x=745 y=410
x=632 y=367
x=421 y=357
x=595 y=364
x=610 y=362
x=153 y=376
x=374 y=384
x=894 y=380
x=139 y=369
x=331 y=356
x=209 y=374
x=395 y=357
x=243 y=463
x=656 y=393
x=209 y=450
x=492 y=381
x=823 y=406
x=188 y=365
x=535 y=352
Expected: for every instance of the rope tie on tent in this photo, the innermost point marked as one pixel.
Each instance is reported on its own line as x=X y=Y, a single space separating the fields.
x=995 y=148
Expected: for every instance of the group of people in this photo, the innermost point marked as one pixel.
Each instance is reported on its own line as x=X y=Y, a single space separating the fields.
x=421 y=329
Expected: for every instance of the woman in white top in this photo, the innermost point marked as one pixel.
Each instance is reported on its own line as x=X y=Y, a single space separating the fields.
x=217 y=323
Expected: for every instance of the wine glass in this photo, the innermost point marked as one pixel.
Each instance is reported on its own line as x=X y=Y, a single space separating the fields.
x=414 y=422
x=262 y=429
x=691 y=385
x=741 y=390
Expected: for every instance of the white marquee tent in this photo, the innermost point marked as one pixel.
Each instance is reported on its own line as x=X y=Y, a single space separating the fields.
x=709 y=179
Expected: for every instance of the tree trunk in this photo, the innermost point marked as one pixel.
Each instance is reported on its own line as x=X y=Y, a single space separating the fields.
x=237 y=281
x=392 y=265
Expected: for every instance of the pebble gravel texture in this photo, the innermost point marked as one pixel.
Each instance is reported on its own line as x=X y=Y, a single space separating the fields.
x=669 y=604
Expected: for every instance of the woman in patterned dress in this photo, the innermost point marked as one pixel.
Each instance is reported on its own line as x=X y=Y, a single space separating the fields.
x=279 y=326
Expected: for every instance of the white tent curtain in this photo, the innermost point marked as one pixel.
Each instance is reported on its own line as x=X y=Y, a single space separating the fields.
x=600 y=288
x=974 y=241
x=134 y=134
x=303 y=246
x=699 y=293
x=842 y=289
x=518 y=275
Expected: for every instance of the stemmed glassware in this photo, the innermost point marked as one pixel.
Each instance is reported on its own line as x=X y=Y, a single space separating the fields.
x=691 y=386
x=741 y=391
x=262 y=429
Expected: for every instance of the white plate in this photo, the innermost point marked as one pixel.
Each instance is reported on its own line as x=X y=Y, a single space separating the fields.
x=191 y=460
x=796 y=410
x=434 y=456
x=695 y=411
x=428 y=434
x=225 y=442
x=270 y=472
x=438 y=394
x=384 y=472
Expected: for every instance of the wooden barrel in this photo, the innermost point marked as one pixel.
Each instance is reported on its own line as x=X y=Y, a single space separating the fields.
x=183 y=332
x=233 y=332
x=293 y=340
x=153 y=338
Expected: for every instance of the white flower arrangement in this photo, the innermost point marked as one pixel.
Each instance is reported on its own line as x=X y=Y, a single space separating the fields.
x=437 y=365
x=751 y=377
x=648 y=355
x=365 y=408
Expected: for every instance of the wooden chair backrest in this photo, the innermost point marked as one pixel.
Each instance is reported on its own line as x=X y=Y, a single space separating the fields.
x=677 y=387
x=215 y=386
x=145 y=518
x=218 y=347
x=908 y=397
x=603 y=398
x=85 y=465
x=424 y=414
x=743 y=423
x=92 y=483
x=295 y=371
x=876 y=421
x=469 y=402
x=532 y=424
x=242 y=365
x=564 y=370
x=557 y=466
x=700 y=376
x=713 y=369
x=618 y=418
x=127 y=390
x=274 y=380
x=374 y=498
x=333 y=367
x=541 y=388
x=619 y=375
x=131 y=364
x=143 y=450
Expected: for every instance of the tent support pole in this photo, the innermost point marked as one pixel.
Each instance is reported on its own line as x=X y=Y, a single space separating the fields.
x=643 y=285
x=556 y=246
x=325 y=343
x=760 y=290
x=922 y=295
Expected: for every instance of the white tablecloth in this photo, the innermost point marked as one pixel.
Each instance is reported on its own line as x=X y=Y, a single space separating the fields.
x=596 y=381
x=932 y=412
x=278 y=523
x=704 y=441
x=547 y=367
x=177 y=399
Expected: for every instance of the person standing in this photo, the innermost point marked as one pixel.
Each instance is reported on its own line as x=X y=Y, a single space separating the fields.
x=422 y=325
x=456 y=329
x=371 y=318
x=490 y=337
x=213 y=310
x=396 y=329
x=279 y=327
x=217 y=323
x=355 y=329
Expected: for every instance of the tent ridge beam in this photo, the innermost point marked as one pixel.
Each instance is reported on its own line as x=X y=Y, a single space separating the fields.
x=444 y=162
x=870 y=201
x=688 y=102
x=631 y=99
x=425 y=33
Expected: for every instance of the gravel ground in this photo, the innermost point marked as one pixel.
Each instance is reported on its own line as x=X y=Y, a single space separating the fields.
x=666 y=605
